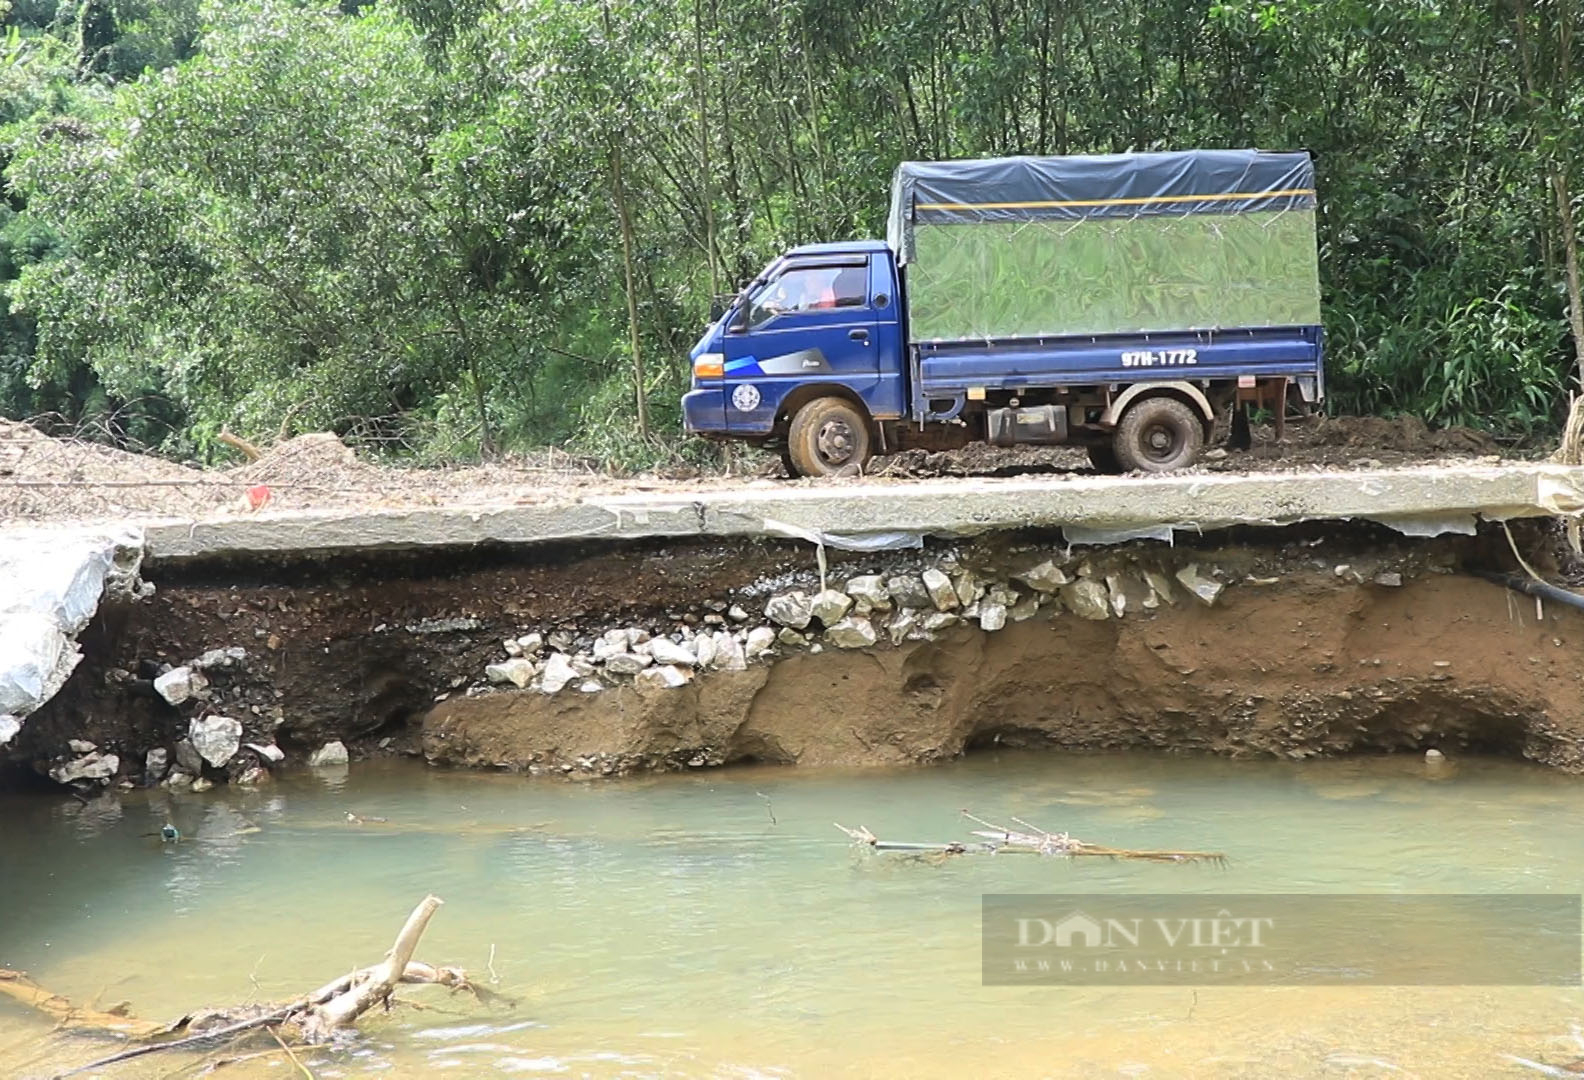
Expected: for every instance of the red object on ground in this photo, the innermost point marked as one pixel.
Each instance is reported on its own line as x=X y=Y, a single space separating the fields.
x=258 y=496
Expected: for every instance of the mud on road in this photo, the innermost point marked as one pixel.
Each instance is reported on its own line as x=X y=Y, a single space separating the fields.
x=47 y=479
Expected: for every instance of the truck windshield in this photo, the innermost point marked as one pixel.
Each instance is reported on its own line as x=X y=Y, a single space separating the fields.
x=812 y=288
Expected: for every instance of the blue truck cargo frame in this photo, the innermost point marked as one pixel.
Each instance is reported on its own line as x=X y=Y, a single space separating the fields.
x=751 y=379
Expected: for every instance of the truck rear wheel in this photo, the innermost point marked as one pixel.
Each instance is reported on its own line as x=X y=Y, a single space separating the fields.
x=828 y=436
x=1158 y=434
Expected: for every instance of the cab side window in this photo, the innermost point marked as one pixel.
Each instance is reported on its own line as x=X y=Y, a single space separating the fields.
x=813 y=288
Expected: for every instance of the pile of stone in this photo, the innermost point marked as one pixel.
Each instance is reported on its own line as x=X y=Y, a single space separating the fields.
x=867 y=610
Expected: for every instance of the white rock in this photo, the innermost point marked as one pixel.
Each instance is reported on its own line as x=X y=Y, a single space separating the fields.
x=519 y=671
x=582 y=665
x=851 y=634
x=667 y=652
x=202 y=784
x=830 y=606
x=637 y=635
x=1434 y=755
x=511 y=647
x=81 y=746
x=870 y=589
x=1024 y=609
x=729 y=653
x=180 y=684
x=216 y=738
x=663 y=677
x=789 y=636
x=221 y=659
x=1206 y=589
x=968 y=588
x=626 y=664
x=792 y=610
x=531 y=644
x=155 y=762
x=591 y=686
x=940 y=590
x=609 y=644
x=9 y=726
x=939 y=620
x=1389 y=579
x=187 y=757
x=1088 y=598
x=705 y=650
x=558 y=671
x=331 y=753
x=94 y=766
x=908 y=591
x=1045 y=577
x=902 y=623
x=1161 y=586
x=268 y=751
x=761 y=639
x=992 y=616
x=736 y=614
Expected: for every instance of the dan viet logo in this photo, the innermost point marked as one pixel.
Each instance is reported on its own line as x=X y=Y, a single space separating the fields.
x=1358 y=939
x=1223 y=931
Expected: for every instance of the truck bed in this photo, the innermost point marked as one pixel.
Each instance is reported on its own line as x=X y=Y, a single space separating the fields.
x=947 y=368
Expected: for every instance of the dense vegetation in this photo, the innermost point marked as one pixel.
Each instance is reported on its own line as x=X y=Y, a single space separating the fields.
x=472 y=224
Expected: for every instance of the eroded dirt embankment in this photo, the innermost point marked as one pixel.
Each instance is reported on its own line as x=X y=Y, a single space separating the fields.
x=1304 y=667
x=1318 y=640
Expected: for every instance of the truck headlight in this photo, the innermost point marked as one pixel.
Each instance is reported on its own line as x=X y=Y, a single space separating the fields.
x=710 y=365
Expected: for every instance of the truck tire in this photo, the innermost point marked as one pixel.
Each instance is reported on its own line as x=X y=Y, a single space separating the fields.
x=1102 y=456
x=828 y=435
x=1158 y=434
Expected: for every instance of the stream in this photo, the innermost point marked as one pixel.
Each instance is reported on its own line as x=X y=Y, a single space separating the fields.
x=716 y=924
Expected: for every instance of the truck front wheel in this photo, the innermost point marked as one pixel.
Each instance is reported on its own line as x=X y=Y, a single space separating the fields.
x=1158 y=434
x=827 y=436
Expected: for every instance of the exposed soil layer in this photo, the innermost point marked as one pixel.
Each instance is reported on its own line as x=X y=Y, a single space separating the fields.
x=1304 y=668
x=48 y=479
x=1309 y=649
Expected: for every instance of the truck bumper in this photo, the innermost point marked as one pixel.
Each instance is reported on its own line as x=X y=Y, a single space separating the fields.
x=704 y=411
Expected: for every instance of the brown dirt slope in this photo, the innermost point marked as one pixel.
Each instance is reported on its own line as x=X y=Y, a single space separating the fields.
x=1304 y=668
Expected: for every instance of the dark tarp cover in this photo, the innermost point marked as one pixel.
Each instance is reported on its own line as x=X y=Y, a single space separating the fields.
x=1102 y=185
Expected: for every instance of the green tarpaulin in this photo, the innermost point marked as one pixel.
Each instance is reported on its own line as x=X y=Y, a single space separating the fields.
x=1032 y=267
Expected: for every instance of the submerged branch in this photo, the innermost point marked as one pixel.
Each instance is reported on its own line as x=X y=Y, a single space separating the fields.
x=1026 y=840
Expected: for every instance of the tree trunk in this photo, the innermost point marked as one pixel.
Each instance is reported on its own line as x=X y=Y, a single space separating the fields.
x=619 y=195
x=1570 y=257
x=707 y=196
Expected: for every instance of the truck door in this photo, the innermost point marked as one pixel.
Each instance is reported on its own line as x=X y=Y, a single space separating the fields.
x=812 y=320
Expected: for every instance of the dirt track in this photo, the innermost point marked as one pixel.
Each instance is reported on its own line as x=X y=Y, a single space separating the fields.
x=45 y=479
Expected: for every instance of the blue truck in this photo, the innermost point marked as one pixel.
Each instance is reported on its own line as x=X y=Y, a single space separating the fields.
x=1117 y=302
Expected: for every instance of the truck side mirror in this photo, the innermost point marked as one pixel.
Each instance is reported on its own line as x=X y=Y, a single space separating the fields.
x=717 y=307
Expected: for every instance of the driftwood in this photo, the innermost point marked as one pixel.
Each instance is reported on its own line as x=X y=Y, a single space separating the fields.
x=312 y=1018
x=16 y=985
x=1026 y=840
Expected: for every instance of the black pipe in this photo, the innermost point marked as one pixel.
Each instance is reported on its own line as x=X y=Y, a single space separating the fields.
x=1532 y=587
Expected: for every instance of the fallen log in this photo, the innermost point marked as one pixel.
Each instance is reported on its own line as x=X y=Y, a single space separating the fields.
x=314 y=1017
x=1027 y=840
x=17 y=986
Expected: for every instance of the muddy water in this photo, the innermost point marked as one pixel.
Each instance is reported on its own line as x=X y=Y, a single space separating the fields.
x=715 y=924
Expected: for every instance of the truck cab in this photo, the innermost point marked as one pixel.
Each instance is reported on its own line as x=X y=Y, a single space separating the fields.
x=821 y=321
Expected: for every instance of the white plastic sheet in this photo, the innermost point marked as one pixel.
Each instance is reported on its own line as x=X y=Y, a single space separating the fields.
x=51 y=584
